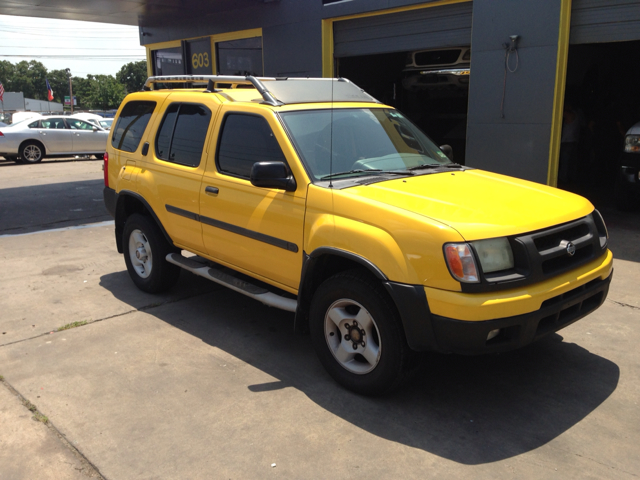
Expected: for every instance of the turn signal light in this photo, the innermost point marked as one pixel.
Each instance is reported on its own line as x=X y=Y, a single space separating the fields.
x=461 y=263
x=105 y=167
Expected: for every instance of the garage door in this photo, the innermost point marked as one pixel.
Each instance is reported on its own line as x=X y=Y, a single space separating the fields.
x=435 y=27
x=596 y=21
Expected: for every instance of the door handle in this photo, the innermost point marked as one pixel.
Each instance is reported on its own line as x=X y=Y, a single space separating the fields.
x=212 y=190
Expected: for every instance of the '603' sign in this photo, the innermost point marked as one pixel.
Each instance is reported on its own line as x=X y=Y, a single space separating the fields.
x=199 y=57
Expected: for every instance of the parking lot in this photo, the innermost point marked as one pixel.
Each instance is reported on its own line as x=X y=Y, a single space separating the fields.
x=205 y=383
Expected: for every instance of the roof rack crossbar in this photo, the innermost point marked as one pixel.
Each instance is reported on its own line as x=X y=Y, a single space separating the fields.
x=248 y=80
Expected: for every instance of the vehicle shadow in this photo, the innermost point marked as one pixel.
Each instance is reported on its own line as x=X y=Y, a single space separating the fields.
x=471 y=410
x=54 y=205
x=10 y=163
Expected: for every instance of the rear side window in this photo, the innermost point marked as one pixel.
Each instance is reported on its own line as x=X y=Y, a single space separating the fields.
x=182 y=133
x=245 y=140
x=132 y=121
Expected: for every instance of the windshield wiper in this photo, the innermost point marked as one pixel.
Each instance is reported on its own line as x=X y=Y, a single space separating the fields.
x=376 y=171
x=435 y=165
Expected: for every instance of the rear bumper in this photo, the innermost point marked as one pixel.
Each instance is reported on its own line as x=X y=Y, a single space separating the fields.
x=110 y=200
x=470 y=338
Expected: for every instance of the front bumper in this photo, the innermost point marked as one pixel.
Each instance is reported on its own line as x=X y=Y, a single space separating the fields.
x=470 y=338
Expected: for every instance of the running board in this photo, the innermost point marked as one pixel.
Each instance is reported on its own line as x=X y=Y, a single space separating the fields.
x=257 y=293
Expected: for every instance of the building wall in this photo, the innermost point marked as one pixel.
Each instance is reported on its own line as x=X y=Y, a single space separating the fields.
x=518 y=143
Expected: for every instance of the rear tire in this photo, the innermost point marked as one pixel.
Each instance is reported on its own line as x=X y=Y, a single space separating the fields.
x=32 y=152
x=357 y=334
x=145 y=251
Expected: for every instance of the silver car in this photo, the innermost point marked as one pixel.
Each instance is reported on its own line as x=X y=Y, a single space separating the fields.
x=31 y=140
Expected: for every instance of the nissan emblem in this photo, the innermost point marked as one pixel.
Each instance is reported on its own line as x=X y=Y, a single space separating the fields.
x=570 y=247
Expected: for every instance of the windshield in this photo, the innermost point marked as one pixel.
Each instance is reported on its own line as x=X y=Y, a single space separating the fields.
x=361 y=142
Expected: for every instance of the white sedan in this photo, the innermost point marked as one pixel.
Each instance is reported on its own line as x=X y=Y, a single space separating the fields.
x=31 y=140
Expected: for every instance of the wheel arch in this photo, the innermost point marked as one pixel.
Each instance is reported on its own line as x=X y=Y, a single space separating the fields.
x=129 y=203
x=410 y=300
x=33 y=140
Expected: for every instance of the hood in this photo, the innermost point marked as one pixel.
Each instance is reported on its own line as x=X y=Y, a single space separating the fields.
x=479 y=204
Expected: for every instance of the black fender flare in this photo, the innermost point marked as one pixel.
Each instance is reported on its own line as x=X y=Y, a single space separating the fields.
x=120 y=216
x=410 y=300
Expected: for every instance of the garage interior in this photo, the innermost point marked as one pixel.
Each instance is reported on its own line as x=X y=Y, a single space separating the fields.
x=602 y=95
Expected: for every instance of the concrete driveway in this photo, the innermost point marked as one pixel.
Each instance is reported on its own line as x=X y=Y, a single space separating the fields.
x=205 y=383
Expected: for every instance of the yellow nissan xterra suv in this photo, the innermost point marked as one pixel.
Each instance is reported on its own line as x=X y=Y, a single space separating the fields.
x=310 y=196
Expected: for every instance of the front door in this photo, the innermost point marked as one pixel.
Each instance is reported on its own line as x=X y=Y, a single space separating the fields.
x=85 y=138
x=257 y=230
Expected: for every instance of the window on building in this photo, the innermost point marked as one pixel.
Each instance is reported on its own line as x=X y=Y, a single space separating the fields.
x=245 y=140
x=168 y=61
x=131 y=124
x=182 y=134
x=240 y=57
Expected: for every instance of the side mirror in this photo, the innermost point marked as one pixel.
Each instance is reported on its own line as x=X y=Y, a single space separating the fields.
x=95 y=129
x=447 y=150
x=272 y=175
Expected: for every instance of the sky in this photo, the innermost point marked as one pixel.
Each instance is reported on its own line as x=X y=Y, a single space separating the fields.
x=83 y=47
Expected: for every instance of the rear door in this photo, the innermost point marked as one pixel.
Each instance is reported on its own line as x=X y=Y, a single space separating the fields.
x=55 y=135
x=176 y=161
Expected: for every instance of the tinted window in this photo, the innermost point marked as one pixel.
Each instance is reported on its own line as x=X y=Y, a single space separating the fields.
x=182 y=133
x=240 y=57
x=57 y=123
x=79 y=124
x=245 y=140
x=163 y=140
x=131 y=124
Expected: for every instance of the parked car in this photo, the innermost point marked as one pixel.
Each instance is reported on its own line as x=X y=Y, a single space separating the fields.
x=32 y=140
x=627 y=191
x=437 y=68
x=310 y=196
x=106 y=123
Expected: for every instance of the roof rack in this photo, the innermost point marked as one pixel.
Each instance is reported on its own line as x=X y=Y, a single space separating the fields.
x=213 y=79
x=297 y=90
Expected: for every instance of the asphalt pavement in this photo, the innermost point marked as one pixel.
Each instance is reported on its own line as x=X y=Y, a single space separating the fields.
x=101 y=380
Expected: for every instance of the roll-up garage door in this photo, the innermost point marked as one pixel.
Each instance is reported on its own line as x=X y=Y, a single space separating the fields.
x=433 y=27
x=597 y=21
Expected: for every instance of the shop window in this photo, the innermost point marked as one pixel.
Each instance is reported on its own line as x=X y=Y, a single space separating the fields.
x=240 y=57
x=245 y=140
x=132 y=122
x=182 y=134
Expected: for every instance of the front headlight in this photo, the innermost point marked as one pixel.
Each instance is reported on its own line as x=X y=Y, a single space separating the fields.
x=632 y=144
x=494 y=254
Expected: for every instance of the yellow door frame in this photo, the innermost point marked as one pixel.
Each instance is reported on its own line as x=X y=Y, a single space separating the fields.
x=327 y=28
x=558 y=96
x=221 y=37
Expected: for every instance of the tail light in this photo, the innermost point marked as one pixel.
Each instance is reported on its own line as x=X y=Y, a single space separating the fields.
x=1 y=134
x=105 y=167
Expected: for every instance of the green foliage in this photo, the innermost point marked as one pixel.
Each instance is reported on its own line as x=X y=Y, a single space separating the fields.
x=71 y=325
x=133 y=75
x=100 y=92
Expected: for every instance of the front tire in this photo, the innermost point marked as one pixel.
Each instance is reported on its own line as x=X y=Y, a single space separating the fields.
x=357 y=334
x=145 y=252
x=31 y=152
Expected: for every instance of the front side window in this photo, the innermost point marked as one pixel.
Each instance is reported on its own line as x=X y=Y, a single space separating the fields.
x=79 y=125
x=182 y=133
x=34 y=124
x=354 y=141
x=131 y=124
x=245 y=140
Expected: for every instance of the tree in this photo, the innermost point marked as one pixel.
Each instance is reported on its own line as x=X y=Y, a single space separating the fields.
x=7 y=72
x=105 y=92
x=29 y=78
x=133 y=75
